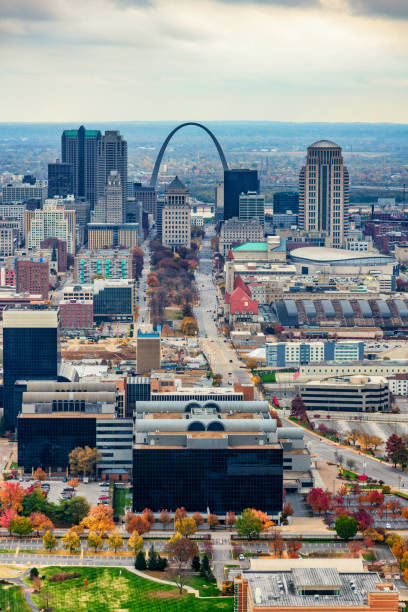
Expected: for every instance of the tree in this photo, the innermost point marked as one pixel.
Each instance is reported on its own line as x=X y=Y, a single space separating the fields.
x=115 y=541
x=277 y=543
x=353 y=436
x=346 y=527
x=195 y=564
x=95 y=541
x=180 y=513
x=294 y=546
x=363 y=518
x=164 y=517
x=21 y=526
x=148 y=515
x=351 y=464
x=73 y=482
x=212 y=520
x=248 y=525
x=39 y=474
x=186 y=526
x=198 y=519
x=393 y=444
x=40 y=522
x=298 y=409
x=140 y=561
x=36 y=501
x=7 y=516
x=137 y=523
x=287 y=510
x=400 y=457
x=230 y=519
x=205 y=568
x=180 y=551
x=71 y=541
x=135 y=543
x=152 y=559
x=100 y=519
x=375 y=498
x=11 y=496
x=84 y=460
x=318 y=499
x=72 y=511
x=189 y=326
x=376 y=441
x=49 y=541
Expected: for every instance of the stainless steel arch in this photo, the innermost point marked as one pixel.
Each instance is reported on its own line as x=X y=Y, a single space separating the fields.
x=159 y=158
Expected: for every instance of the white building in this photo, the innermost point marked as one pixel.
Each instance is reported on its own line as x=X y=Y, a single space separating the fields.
x=14 y=212
x=252 y=206
x=176 y=216
x=52 y=220
x=21 y=192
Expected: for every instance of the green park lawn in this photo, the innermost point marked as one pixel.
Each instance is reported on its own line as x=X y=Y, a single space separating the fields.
x=108 y=591
x=12 y=599
x=121 y=499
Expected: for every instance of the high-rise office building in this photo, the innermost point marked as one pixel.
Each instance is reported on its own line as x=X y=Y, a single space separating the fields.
x=252 y=206
x=110 y=206
x=59 y=179
x=176 y=216
x=284 y=201
x=22 y=192
x=30 y=351
x=324 y=192
x=147 y=196
x=80 y=149
x=33 y=276
x=237 y=182
x=112 y=156
x=52 y=221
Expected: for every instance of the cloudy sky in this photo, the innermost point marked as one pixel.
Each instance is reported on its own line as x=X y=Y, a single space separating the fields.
x=296 y=60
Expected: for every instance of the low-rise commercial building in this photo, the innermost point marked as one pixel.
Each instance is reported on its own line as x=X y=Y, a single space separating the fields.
x=353 y=394
x=367 y=367
x=235 y=231
x=21 y=192
x=281 y=354
x=76 y=314
x=110 y=263
x=114 y=299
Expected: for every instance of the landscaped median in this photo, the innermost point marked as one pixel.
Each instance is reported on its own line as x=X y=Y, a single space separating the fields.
x=114 y=589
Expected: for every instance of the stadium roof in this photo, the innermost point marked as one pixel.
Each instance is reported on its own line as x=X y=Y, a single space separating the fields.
x=327 y=254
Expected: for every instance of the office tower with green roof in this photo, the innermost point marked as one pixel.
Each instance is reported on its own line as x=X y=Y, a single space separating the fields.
x=79 y=148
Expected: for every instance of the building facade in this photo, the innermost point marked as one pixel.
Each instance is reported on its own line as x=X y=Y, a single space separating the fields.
x=115 y=263
x=235 y=232
x=112 y=156
x=114 y=299
x=281 y=354
x=147 y=196
x=252 y=206
x=21 y=192
x=237 y=182
x=148 y=350
x=79 y=149
x=324 y=192
x=33 y=276
x=353 y=394
x=30 y=350
x=60 y=179
x=110 y=207
x=76 y=314
x=52 y=221
x=284 y=201
x=105 y=235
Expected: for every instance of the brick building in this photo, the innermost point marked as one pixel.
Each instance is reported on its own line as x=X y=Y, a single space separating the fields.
x=60 y=251
x=33 y=277
x=76 y=314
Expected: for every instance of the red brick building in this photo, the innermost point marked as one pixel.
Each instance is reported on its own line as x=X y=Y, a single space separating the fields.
x=76 y=314
x=7 y=276
x=33 y=276
x=60 y=251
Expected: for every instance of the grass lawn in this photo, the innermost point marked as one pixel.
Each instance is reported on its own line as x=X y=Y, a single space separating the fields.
x=171 y=314
x=121 y=499
x=108 y=591
x=206 y=589
x=12 y=599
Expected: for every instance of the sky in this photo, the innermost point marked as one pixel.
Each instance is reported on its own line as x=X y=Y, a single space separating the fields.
x=152 y=60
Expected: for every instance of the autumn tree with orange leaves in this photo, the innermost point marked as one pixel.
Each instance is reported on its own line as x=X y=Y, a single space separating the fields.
x=99 y=520
x=137 y=523
x=11 y=496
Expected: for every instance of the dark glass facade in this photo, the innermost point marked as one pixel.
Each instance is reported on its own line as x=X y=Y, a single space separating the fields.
x=28 y=354
x=113 y=301
x=137 y=390
x=285 y=200
x=217 y=479
x=47 y=441
x=60 y=179
x=235 y=183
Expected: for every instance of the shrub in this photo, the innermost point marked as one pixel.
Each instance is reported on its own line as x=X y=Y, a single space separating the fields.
x=61 y=576
x=33 y=573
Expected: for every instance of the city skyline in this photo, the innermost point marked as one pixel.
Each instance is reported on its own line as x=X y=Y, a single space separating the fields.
x=328 y=60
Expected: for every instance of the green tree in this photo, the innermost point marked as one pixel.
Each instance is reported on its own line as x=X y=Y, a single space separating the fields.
x=346 y=527
x=152 y=559
x=21 y=526
x=135 y=543
x=248 y=525
x=195 y=564
x=35 y=502
x=115 y=541
x=49 y=541
x=140 y=562
x=72 y=511
x=205 y=569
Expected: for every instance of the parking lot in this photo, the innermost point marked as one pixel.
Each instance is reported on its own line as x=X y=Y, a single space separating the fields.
x=90 y=491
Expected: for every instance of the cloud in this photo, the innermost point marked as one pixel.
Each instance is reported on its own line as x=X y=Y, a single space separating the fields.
x=26 y=10
x=395 y=9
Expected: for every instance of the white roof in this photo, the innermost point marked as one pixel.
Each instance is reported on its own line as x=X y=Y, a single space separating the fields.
x=258 y=353
x=329 y=254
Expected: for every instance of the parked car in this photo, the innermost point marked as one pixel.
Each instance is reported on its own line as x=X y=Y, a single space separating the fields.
x=388 y=526
x=241 y=557
x=101 y=497
x=104 y=484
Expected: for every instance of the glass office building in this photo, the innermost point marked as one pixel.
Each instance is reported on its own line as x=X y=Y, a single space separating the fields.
x=237 y=182
x=30 y=351
x=217 y=480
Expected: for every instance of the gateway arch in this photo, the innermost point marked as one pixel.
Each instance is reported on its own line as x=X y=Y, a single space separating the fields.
x=159 y=158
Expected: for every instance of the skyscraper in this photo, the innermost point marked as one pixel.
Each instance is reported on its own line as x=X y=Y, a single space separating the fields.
x=235 y=183
x=112 y=156
x=284 y=201
x=110 y=207
x=30 y=351
x=324 y=192
x=252 y=206
x=59 y=179
x=79 y=148
x=148 y=197
x=176 y=216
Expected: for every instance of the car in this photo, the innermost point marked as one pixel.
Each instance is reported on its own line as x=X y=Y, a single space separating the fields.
x=104 y=484
x=103 y=497
x=242 y=557
x=231 y=361
x=388 y=526
x=259 y=551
